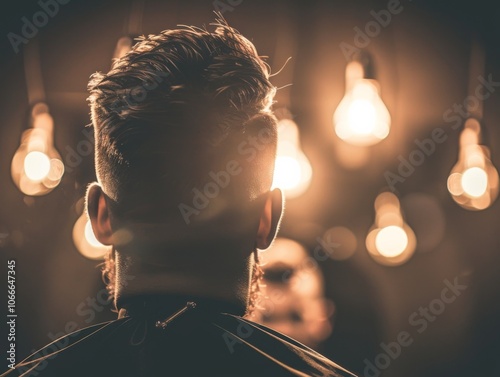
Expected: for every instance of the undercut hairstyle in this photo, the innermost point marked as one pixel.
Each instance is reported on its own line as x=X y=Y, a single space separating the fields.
x=173 y=113
x=172 y=109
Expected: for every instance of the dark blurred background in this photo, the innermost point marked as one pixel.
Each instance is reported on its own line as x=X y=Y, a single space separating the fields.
x=422 y=61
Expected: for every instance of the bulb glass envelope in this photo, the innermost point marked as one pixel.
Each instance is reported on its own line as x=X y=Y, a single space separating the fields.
x=390 y=241
x=473 y=181
x=37 y=167
x=292 y=172
x=361 y=118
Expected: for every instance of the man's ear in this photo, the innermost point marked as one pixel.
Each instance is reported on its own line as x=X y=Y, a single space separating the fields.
x=98 y=212
x=270 y=219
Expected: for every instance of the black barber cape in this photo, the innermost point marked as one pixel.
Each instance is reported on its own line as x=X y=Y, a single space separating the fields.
x=191 y=339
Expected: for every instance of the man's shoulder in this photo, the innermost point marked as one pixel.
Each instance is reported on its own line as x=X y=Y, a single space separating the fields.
x=291 y=354
x=227 y=345
x=41 y=362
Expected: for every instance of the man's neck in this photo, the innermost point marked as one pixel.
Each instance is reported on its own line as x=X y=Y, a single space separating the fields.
x=137 y=278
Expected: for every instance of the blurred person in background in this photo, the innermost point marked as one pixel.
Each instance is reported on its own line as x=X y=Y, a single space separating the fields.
x=292 y=297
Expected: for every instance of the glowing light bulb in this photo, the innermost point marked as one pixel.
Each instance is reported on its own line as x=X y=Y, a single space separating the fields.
x=37 y=167
x=288 y=172
x=85 y=240
x=90 y=236
x=390 y=241
x=292 y=171
x=473 y=182
x=361 y=118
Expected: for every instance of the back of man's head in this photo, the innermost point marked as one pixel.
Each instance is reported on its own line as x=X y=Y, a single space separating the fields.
x=185 y=136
